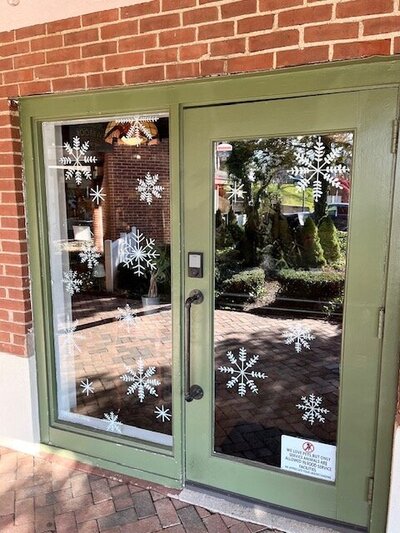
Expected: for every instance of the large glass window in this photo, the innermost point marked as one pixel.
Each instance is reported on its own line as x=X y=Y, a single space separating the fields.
x=108 y=205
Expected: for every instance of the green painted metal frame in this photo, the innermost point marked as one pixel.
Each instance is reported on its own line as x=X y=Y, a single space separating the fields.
x=301 y=81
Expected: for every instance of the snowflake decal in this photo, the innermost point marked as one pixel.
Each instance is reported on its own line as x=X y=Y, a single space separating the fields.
x=76 y=156
x=113 y=424
x=299 y=335
x=126 y=316
x=72 y=282
x=139 y=253
x=142 y=380
x=235 y=191
x=70 y=337
x=162 y=413
x=316 y=166
x=149 y=188
x=87 y=387
x=312 y=409
x=241 y=373
x=89 y=255
x=138 y=127
x=97 y=194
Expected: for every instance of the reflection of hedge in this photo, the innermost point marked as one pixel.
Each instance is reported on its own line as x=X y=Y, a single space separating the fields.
x=245 y=282
x=319 y=285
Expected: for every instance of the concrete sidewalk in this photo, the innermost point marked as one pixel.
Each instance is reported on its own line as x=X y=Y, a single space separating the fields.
x=48 y=494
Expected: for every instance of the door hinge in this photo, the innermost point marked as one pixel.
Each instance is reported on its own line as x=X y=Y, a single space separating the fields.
x=395 y=135
x=370 y=492
x=381 y=322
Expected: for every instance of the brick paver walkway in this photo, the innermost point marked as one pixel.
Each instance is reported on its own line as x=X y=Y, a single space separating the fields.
x=48 y=495
x=250 y=424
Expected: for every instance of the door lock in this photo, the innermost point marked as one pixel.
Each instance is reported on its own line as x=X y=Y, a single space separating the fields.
x=195 y=393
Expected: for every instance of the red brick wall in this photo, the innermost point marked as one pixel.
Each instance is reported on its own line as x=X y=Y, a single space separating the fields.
x=124 y=209
x=15 y=315
x=157 y=41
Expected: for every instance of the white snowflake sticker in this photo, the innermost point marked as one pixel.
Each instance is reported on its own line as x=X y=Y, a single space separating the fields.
x=235 y=191
x=97 y=194
x=89 y=255
x=162 y=413
x=72 y=282
x=149 y=188
x=138 y=126
x=312 y=409
x=113 y=424
x=299 y=335
x=69 y=337
x=139 y=253
x=87 y=387
x=142 y=380
x=241 y=373
x=317 y=165
x=76 y=156
x=127 y=317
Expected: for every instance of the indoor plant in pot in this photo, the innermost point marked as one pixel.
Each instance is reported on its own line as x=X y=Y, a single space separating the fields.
x=160 y=273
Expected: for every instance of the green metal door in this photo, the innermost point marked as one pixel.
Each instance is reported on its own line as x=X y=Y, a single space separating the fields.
x=289 y=201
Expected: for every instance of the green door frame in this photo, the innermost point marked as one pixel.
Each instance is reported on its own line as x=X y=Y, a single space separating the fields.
x=157 y=464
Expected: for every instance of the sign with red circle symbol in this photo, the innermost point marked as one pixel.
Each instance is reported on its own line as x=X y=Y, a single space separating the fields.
x=308 y=447
x=309 y=458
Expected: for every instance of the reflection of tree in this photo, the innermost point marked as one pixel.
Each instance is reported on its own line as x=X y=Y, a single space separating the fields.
x=340 y=146
x=261 y=166
x=257 y=164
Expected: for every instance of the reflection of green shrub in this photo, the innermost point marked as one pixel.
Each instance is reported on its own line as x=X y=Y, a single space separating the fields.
x=321 y=285
x=334 y=306
x=329 y=241
x=312 y=254
x=342 y=238
x=227 y=263
x=246 y=282
x=218 y=218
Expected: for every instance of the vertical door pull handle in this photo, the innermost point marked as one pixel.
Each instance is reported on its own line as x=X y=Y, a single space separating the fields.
x=192 y=392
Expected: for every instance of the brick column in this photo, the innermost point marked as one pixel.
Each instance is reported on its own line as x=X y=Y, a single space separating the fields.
x=15 y=308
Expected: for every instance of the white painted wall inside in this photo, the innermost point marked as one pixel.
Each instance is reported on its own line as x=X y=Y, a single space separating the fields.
x=393 y=524
x=30 y=12
x=19 y=413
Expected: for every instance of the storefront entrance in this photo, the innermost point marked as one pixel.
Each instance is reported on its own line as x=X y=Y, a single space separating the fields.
x=209 y=288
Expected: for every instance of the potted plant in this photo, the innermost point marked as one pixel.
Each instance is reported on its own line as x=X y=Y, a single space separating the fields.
x=160 y=273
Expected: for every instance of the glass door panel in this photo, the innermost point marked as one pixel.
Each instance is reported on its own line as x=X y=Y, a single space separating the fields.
x=108 y=207
x=281 y=222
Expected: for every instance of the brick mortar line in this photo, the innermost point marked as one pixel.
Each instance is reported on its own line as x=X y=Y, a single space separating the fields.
x=207 y=56
x=223 y=38
x=302 y=45
x=118 y=38
x=100 y=25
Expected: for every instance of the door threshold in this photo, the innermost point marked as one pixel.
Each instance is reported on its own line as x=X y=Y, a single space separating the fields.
x=248 y=510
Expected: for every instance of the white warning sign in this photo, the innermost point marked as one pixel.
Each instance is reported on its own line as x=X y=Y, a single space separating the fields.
x=308 y=458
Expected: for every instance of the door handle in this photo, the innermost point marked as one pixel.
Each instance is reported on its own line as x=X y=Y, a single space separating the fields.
x=192 y=392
